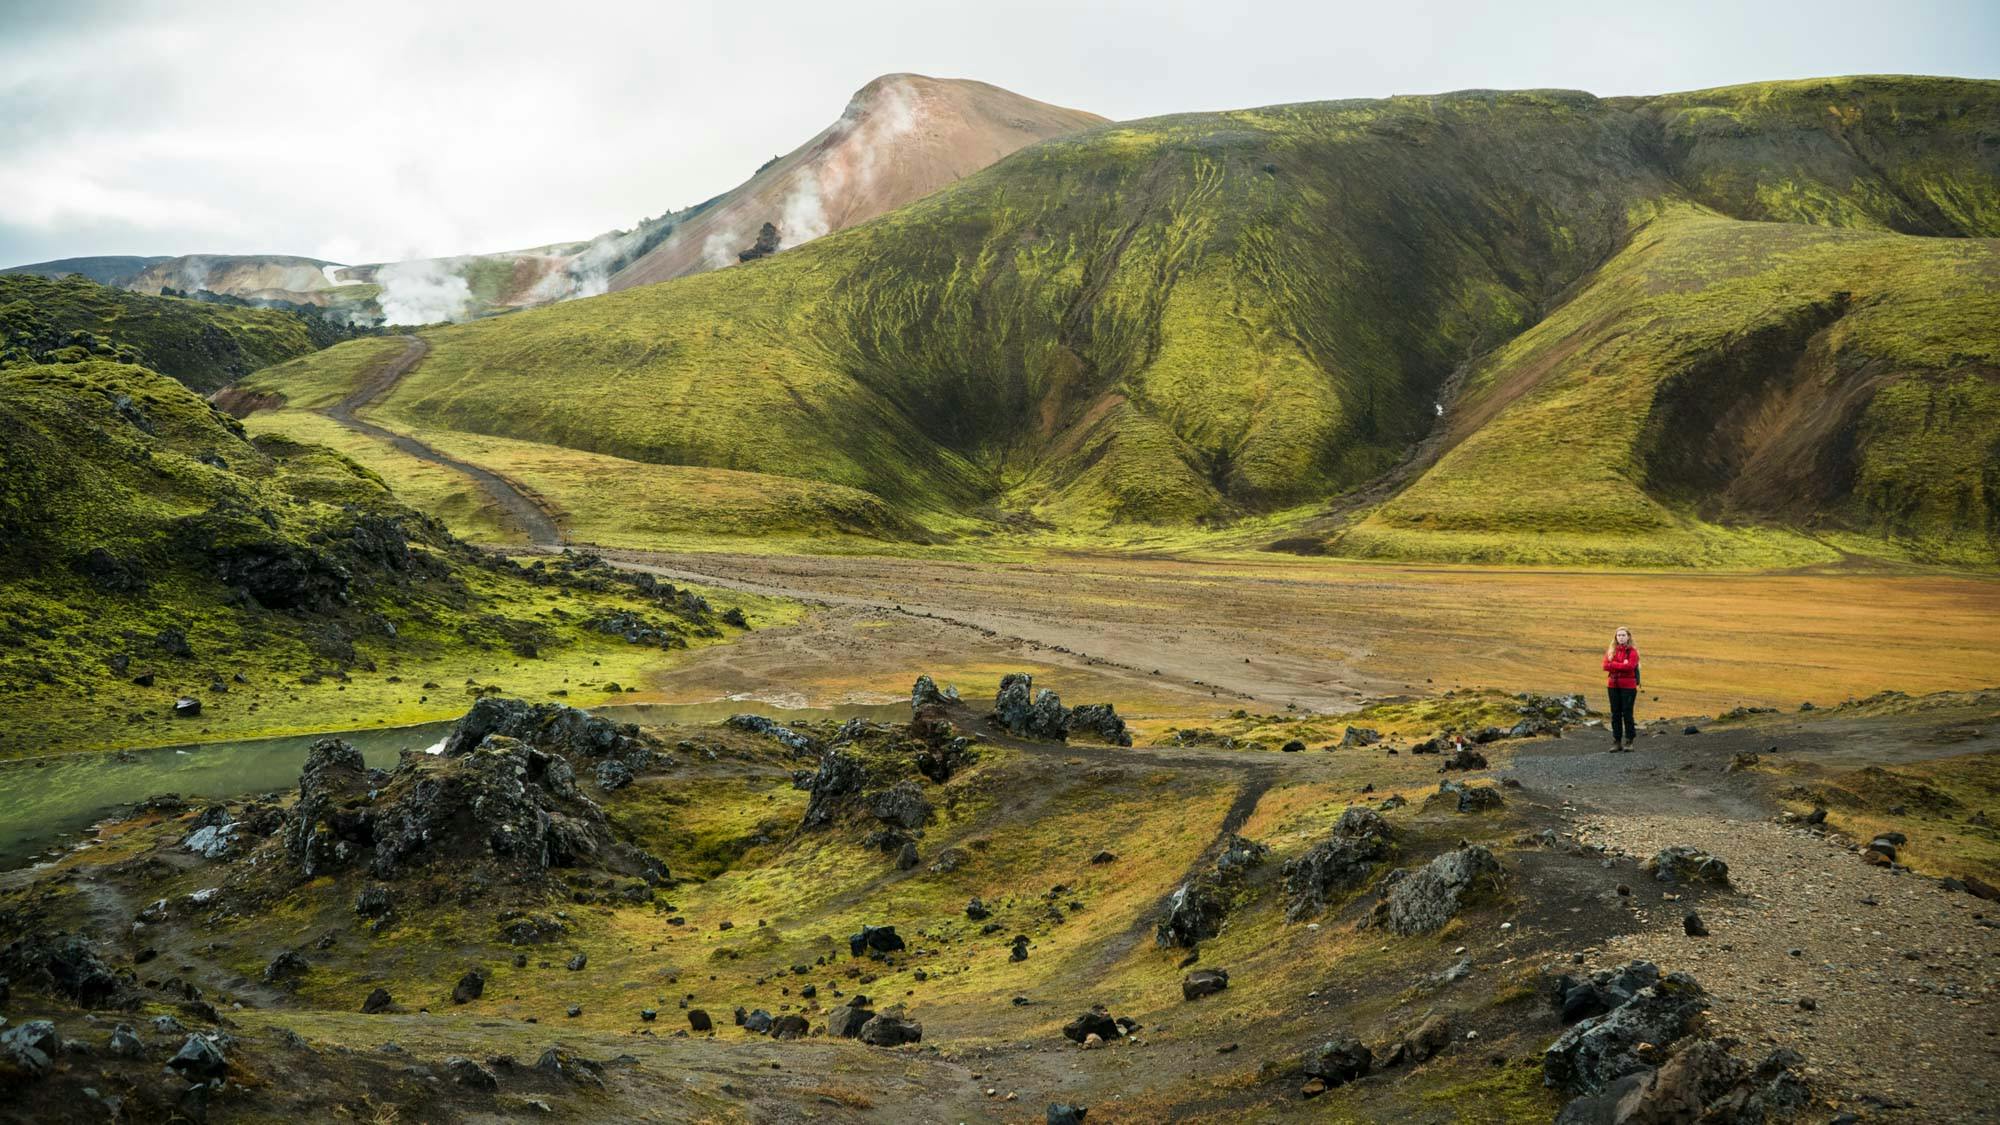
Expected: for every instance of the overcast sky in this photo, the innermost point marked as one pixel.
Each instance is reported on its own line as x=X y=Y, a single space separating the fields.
x=358 y=131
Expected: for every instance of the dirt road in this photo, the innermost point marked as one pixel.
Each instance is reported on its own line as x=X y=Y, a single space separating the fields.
x=522 y=508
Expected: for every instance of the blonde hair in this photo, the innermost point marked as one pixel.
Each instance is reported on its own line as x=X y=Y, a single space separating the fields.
x=1627 y=630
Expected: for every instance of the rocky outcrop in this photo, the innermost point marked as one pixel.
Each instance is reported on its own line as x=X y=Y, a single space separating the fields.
x=1361 y=840
x=1423 y=902
x=890 y=1028
x=1601 y=1049
x=1100 y=721
x=1339 y=1061
x=1196 y=909
x=552 y=728
x=1465 y=798
x=497 y=805
x=1702 y=1082
x=1027 y=713
x=60 y=964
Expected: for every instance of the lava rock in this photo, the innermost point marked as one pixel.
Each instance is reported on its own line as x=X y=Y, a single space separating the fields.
x=790 y=1027
x=1204 y=982
x=187 y=707
x=1466 y=798
x=1101 y=720
x=875 y=940
x=1064 y=1113
x=1424 y=901
x=470 y=1074
x=379 y=1001
x=1361 y=838
x=1601 y=1049
x=287 y=966
x=32 y=1047
x=1097 y=1021
x=758 y=1022
x=890 y=1028
x=1693 y=926
x=470 y=987
x=1681 y=863
x=199 y=1059
x=1337 y=1062
x=976 y=910
x=698 y=1020
x=845 y=1022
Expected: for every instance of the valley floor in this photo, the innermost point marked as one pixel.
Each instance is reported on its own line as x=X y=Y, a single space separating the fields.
x=1170 y=637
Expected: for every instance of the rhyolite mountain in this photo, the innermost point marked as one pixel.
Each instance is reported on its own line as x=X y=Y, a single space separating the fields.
x=900 y=137
x=1758 y=324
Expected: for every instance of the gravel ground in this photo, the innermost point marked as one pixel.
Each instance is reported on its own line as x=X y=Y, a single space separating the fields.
x=1903 y=975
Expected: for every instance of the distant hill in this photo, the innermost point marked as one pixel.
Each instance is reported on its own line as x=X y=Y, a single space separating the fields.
x=1750 y=326
x=204 y=345
x=901 y=137
x=119 y=270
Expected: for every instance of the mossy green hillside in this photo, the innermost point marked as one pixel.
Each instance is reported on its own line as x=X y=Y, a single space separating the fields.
x=69 y=319
x=156 y=551
x=1718 y=378
x=1188 y=320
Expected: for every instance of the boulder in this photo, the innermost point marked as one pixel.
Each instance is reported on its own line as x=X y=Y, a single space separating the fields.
x=845 y=1022
x=200 y=1059
x=553 y=728
x=698 y=1020
x=375 y=902
x=890 y=1028
x=1600 y=1049
x=187 y=707
x=1097 y=1021
x=1684 y=864
x=1422 y=1043
x=330 y=823
x=32 y=1047
x=380 y=1001
x=1466 y=798
x=288 y=965
x=790 y=1027
x=1354 y=738
x=1430 y=897
x=901 y=805
x=613 y=774
x=1361 y=839
x=1701 y=1082
x=1194 y=914
x=124 y=1043
x=839 y=776
x=1463 y=758
x=874 y=941
x=470 y=987
x=1101 y=722
x=758 y=1022
x=976 y=910
x=1337 y=1062
x=1027 y=713
x=1064 y=1113
x=470 y=1074
x=63 y=965
x=1204 y=982
x=925 y=693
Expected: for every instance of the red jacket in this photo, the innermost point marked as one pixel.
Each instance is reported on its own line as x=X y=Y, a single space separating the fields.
x=1622 y=667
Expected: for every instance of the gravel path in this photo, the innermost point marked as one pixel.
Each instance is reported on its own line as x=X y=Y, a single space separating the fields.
x=1903 y=976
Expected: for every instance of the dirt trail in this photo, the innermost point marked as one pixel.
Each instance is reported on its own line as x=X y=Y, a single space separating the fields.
x=533 y=518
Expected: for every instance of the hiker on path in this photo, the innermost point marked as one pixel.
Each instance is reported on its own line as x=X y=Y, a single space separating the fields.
x=1621 y=668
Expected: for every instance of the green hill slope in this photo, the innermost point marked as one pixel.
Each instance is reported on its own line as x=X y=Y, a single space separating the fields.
x=1187 y=320
x=155 y=552
x=57 y=320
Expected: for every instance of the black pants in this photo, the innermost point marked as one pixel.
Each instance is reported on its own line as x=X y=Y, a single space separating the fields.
x=1622 y=699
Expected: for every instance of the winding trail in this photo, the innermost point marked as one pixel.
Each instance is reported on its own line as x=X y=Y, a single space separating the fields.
x=534 y=518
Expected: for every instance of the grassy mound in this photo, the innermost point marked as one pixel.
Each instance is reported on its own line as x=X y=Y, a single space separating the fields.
x=157 y=552
x=67 y=320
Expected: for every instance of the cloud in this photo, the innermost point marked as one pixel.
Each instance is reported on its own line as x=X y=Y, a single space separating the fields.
x=394 y=131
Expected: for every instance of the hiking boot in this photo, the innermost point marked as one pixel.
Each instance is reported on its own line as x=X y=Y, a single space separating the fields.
x=1617 y=745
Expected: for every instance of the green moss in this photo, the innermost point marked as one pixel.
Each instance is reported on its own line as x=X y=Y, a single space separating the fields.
x=157 y=551
x=51 y=320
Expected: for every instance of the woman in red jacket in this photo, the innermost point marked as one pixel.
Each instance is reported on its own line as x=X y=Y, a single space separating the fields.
x=1621 y=667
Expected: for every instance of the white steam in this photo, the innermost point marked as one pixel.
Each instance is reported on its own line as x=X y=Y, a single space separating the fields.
x=866 y=131
x=426 y=291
